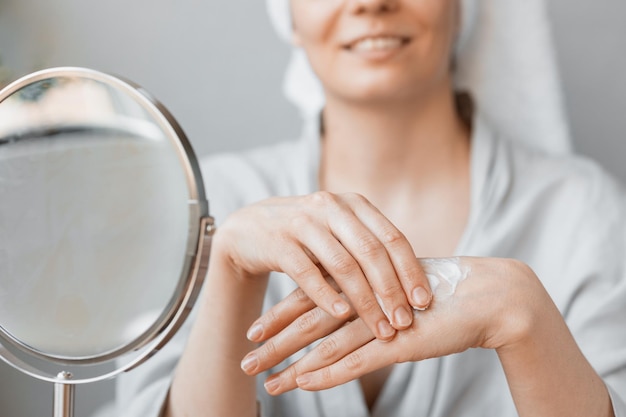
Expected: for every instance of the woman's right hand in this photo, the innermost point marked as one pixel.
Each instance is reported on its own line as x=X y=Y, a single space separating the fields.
x=340 y=236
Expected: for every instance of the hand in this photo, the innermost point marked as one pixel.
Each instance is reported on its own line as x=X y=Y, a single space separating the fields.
x=323 y=235
x=487 y=303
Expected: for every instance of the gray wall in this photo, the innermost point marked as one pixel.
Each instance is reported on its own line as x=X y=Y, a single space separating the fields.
x=591 y=41
x=217 y=66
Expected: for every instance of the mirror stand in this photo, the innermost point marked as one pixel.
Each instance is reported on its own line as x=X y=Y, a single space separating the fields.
x=63 y=402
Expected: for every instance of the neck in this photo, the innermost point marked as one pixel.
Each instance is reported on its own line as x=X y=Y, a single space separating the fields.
x=387 y=149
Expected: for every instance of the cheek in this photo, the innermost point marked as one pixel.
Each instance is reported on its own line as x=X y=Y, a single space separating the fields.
x=313 y=21
x=436 y=19
x=315 y=26
x=448 y=25
x=436 y=46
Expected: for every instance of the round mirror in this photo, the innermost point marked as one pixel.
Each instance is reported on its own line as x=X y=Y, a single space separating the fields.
x=104 y=226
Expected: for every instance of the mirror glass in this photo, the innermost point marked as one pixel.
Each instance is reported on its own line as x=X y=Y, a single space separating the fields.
x=96 y=230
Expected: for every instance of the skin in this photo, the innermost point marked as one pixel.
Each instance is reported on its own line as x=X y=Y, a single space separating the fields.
x=394 y=176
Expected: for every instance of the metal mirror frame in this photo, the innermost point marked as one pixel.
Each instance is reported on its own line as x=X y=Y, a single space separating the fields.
x=201 y=229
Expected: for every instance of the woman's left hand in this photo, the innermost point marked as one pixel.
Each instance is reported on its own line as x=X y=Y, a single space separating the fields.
x=478 y=302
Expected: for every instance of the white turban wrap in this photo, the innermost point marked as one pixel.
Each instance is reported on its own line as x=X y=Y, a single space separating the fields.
x=504 y=58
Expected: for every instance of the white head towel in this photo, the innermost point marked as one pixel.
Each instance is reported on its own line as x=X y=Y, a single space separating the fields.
x=505 y=58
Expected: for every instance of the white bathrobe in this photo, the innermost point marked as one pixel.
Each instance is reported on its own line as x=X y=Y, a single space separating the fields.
x=562 y=215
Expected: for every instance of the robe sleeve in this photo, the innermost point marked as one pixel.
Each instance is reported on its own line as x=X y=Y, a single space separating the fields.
x=596 y=312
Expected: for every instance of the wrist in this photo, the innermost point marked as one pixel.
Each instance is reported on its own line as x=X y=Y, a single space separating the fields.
x=523 y=308
x=230 y=285
x=225 y=254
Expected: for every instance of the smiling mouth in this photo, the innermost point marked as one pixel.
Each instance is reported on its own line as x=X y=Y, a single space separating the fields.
x=378 y=43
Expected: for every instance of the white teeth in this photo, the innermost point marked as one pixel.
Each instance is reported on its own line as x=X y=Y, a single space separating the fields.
x=377 y=44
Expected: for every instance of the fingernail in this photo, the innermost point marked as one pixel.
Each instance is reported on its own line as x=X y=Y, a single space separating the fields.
x=385 y=329
x=403 y=317
x=255 y=332
x=421 y=298
x=272 y=383
x=249 y=363
x=303 y=380
x=340 y=308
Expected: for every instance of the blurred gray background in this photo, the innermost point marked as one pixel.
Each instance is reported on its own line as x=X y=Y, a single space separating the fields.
x=217 y=66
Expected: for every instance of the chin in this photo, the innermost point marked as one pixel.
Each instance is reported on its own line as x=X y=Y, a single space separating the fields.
x=387 y=87
x=383 y=93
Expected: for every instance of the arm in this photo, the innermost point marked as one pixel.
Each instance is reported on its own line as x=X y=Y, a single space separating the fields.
x=208 y=380
x=501 y=305
x=548 y=374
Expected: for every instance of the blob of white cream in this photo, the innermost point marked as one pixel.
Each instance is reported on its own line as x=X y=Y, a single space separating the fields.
x=444 y=275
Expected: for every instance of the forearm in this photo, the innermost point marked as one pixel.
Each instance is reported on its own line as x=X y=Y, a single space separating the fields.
x=549 y=376
x=209 y=380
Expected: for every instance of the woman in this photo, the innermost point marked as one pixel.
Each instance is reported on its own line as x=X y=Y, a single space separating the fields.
x=398 y=168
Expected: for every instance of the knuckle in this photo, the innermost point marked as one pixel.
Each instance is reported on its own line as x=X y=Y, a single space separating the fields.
x=370 y=246
x=271 y=316
x=308 y=321
x=388 y=292
x=354 y=361
x=268 y=351
x=328 y=348
x=326 y=375
x=356 y=198
x=367 y=305
x=323 y=198
x=321 y=292
x=343 y=264
x=303 y=269
x=412 y=271
x=300 y=296
x=393 y=237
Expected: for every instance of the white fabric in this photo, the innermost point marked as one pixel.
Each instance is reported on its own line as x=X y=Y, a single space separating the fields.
x=505 y=58
x=562 y=215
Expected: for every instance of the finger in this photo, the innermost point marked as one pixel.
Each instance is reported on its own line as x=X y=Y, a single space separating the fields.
x=338 y=344
x=280 y=315
x=309 y=327
x=373 y=257
x=370 y=357
x=309 y=277
x=406 y=266
x=283 y=313
x=347 y=273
